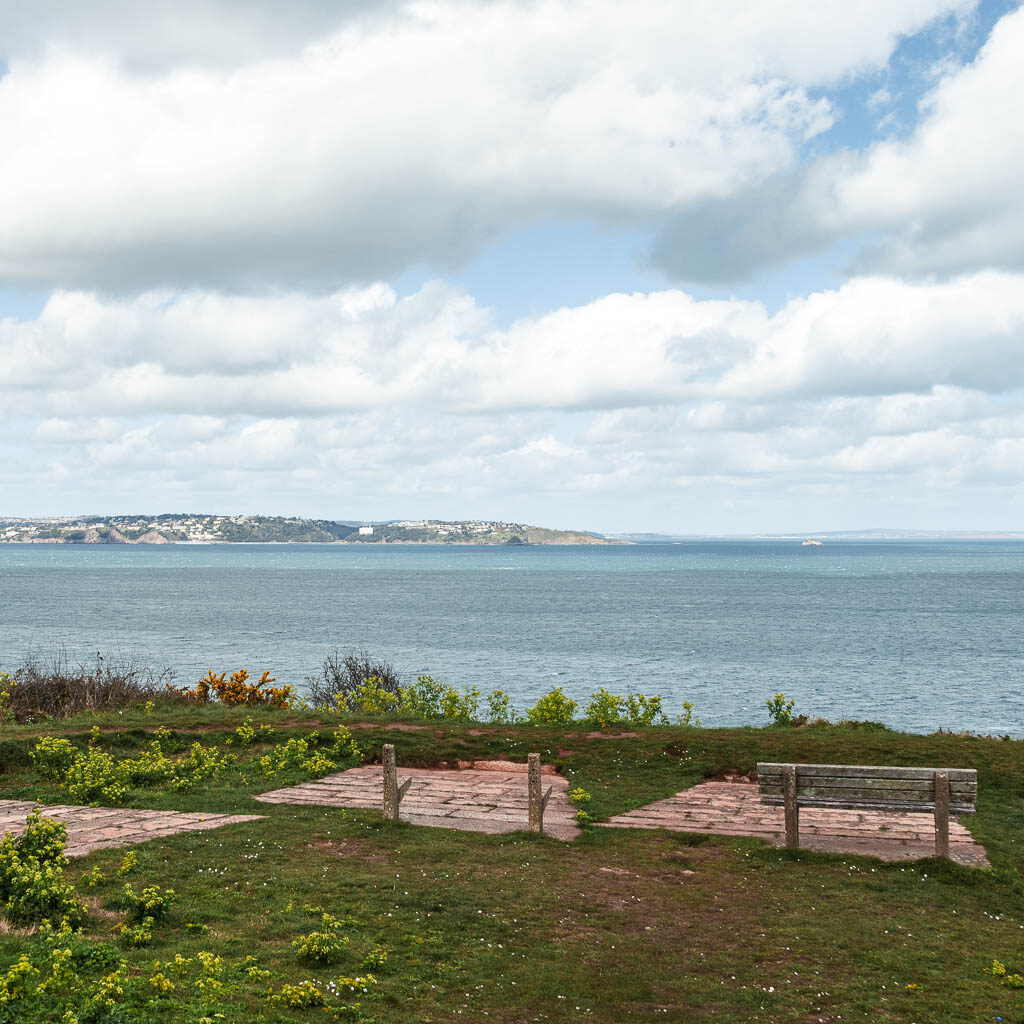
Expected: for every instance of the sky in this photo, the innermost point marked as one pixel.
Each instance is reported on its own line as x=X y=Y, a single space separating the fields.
x=681 y=267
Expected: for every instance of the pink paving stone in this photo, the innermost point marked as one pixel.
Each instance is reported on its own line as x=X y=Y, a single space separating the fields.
x=471 y=800
x=733 y=808
x=91 y=828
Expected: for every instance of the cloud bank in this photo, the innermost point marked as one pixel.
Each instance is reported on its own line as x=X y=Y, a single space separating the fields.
x=363 y=393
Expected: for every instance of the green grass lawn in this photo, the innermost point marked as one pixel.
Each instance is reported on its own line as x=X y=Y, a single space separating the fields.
x=619 y=925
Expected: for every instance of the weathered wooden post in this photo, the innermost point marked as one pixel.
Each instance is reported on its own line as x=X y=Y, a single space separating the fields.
x=942 y=814
x=537 y=800
x=393 y=793
x=791 y=806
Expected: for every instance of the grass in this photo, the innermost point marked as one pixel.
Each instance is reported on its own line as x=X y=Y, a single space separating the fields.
x=620 y=925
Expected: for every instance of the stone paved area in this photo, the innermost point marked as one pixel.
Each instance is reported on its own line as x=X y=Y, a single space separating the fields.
x=730 y=808
x=97 y=828
x=472 y=800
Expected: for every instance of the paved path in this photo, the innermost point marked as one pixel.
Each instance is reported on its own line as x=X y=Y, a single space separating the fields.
x=731 y=808
x=98 y=828
x=472 y=800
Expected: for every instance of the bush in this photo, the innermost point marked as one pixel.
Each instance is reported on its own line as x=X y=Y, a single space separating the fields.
x=237 y=690
x=499 y=708
x=32 y=883
x=320 y=947
x=780 y=711
x=431 y=699
x=92 y=775
x=688 y=718
x=554 y=708
x=341 y=675
x=371 y=698
x=151 y=904
x=51 y=686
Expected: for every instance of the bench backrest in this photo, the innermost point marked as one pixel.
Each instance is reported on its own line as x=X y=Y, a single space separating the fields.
x=868 y=787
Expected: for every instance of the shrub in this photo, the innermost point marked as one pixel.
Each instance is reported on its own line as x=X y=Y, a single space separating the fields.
x=237 y=690
x=375 y=960
x=499 y=708
x=780 y=711
x=604 y=708
x=51 y=686
x=92 y=775
x=320 y=947
x=642 y=710
x=554 y=708
x=1007 y=975
x=134 y=936
x=635 y=709
x=341 y=675
x=53 y=756
x=32 y=883
x=371 y=698
x=687 y=718
x=430 y=698
x=152 y=903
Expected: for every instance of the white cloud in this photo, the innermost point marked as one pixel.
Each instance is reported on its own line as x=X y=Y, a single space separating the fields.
x=944 y=200
x=206 y=355
x=409 y=136
x=361 y=403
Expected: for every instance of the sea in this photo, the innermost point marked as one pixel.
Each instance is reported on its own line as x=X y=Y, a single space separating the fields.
x=919 y=635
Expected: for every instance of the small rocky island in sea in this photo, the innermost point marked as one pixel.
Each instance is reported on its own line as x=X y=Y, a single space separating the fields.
x=211 y=529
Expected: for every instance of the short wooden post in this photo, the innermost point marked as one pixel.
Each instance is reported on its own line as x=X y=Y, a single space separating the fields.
x=390 y=783
x=791 y=806
x=942 y=814
x=537 y=800
x=393 y=792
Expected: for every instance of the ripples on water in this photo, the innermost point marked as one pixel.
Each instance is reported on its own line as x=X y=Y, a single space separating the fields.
x=916 y=634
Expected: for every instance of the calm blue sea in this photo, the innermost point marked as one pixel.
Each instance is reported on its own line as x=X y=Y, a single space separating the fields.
x=916 y=634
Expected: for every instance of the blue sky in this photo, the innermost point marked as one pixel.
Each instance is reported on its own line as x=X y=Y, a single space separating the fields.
x=676 y=267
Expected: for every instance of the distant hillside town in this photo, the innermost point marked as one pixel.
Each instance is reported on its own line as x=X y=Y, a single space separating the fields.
x=209 y=529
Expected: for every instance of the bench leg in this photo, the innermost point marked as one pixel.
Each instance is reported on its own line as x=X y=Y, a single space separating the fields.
x=791 y=806
x=942 y=814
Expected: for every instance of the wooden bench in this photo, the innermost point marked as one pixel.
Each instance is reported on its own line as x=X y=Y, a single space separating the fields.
x=872 y=788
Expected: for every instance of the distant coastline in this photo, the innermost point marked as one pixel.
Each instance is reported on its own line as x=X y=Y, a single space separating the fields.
x=197 y=529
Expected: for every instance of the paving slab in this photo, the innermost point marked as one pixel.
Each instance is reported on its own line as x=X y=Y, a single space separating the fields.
x=485 y=799
x=100 y=828
x=735 y=808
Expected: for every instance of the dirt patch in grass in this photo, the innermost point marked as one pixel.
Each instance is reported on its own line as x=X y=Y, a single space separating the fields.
x=601 y=734
x=363 y=849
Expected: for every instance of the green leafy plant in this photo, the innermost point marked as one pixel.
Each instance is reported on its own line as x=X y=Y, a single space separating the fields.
x=604 y=709
x=7 y=684
x=375 y=960
x=372 y=698
x=1007 y=975
x=554 y=708
x=499 y=708
x=32 y=883
x=135 y=936
x=320 y=947
x=153 y=903
x=688 y=718
x=780 y=710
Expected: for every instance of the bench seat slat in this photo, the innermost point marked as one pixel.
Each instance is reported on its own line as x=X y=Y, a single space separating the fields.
x=866 y=805
x=868 y=795
x=880 y=786
x=858 y=771
x=964 y=790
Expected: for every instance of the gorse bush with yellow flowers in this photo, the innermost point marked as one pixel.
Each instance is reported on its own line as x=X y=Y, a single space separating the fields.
x=236 y=690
